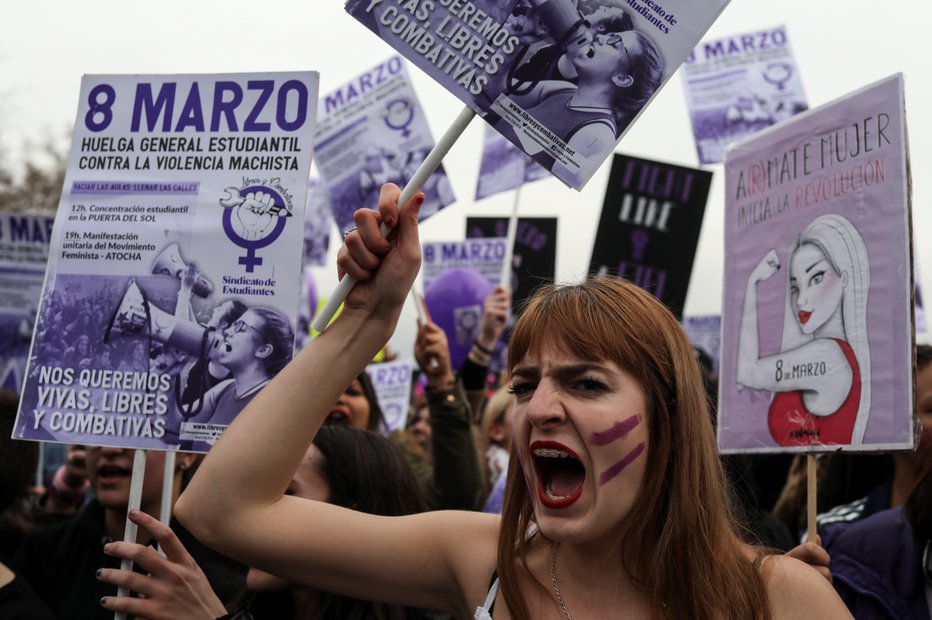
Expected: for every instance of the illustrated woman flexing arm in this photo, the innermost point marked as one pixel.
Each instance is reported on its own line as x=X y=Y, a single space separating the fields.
x=820 y=379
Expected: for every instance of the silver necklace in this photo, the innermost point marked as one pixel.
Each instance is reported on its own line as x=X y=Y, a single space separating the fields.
x=553 y=579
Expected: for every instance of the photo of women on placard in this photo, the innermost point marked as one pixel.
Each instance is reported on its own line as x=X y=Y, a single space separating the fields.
x=590 y=83
x=821 y=377
x=254 y=348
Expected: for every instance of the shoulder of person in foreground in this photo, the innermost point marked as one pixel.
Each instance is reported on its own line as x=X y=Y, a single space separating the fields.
x=18 y=601
x=796 y=590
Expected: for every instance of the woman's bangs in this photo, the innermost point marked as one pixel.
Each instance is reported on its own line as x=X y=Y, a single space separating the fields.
x=568 y=318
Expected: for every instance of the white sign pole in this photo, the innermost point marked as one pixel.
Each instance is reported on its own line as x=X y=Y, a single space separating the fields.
x=417 y=181
x=168 y=489
x=510 y=243
x=135 y=499
x=40 y=469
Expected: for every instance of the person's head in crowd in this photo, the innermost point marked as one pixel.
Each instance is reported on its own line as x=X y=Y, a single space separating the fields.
x=85 y=319
x=418 y=424
x=355 y=469
x=259 y=340
x=110 y=471
x=493 y=435
x=610 y=349
x=918 y=511
x=103 y=361
x=137 y=356
x=82 y=345
x=358 y=406
x=909 y=467
x=924 y=397
x=495 y=425
x=18 y=461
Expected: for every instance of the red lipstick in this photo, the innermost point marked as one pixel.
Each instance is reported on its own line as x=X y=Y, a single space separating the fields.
x=804 y=316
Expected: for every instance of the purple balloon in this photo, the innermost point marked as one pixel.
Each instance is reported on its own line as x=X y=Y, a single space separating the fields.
x=454 y=300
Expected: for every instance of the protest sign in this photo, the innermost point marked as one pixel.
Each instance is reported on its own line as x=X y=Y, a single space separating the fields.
x=650 y=224
x=503 y=166
x=24 y=250
x=372 y=131
x=483 y=255
x=392 y=384
x=318 y=223
x=178 y=241
x=817 y=337
x=738 y=85
x=561 y=82
x=535 y=252
x=705 y=332
x=921 y=325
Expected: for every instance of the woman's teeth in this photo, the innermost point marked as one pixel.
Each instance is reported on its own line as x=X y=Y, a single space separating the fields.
x=551 y=453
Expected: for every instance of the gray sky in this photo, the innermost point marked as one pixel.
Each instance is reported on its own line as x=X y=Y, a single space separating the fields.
x=839 y=45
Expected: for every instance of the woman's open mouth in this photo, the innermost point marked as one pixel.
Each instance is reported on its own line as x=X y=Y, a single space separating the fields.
x=337 y=417
x=110 y=475
x=804 y=316
x=560 y=474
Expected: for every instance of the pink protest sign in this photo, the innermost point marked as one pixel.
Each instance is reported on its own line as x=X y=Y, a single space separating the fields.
x=817 y=331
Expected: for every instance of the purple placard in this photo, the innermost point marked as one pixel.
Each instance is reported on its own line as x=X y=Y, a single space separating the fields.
x=484 y=255
x=563 y=82
x=24 y=250
x=504 y=166
x=174 y=261
x=373 y=131
x=738 y=85
x=921 y=325
x=392 y=384
x=817 y=321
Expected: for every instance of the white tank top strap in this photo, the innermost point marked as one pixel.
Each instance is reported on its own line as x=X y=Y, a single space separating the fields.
x=483 y=612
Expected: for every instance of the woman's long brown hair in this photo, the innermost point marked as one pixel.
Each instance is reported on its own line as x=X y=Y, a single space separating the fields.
x=679 y=544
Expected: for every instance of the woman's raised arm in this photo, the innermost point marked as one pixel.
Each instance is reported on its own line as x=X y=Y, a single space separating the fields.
x=235 y=502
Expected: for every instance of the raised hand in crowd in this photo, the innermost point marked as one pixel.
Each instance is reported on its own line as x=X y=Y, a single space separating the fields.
x=474 y=371
x=495 y=311
x=813 y=554
x=432 y=353
x=174 y=586
x=70 y=483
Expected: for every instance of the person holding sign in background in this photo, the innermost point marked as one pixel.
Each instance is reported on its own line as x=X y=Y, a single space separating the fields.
x=820 y=379
x=607 y=390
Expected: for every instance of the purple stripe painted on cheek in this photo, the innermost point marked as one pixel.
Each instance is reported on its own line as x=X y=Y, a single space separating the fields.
x=617 y=431
x=616 y=469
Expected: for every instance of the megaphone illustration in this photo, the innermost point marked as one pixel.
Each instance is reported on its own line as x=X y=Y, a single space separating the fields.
x=170 y=263
x=135 y=314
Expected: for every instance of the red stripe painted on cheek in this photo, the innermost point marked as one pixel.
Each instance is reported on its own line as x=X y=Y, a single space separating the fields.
x=617 y=431
x=617 y=468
